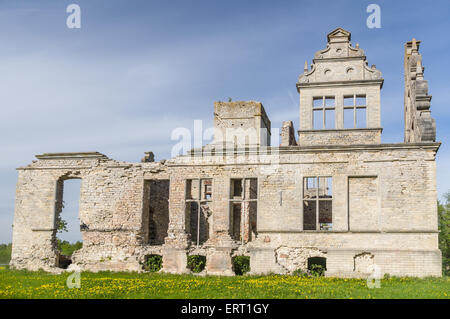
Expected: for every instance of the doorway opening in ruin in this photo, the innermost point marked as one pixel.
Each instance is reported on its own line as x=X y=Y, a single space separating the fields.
x=198 y=212
x=156 y=210
x=243 y=209
x=67 y=235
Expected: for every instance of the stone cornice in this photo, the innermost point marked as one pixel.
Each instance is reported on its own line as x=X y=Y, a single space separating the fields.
x=339 y=59
x=286 y=150
x=339 y=83
x=71 y=155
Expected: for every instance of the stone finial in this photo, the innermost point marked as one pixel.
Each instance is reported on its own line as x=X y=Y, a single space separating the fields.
x=148 y=158
x=357 y=45
x=339 y=35
x=305 y=68
x=414 y=45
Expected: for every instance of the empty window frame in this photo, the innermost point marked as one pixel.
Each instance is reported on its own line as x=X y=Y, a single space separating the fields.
x=323 y=112
x=243 y=208
x=317 y=203
x=156 y=209
x=355 y=111
x=198 y=212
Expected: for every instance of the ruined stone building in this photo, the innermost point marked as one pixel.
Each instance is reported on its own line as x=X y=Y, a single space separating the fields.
x=333 y=192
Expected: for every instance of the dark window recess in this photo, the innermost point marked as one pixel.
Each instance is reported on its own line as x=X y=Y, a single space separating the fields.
x=198 y=213
x=243 y=209
x=317 y=203
x=156 y=205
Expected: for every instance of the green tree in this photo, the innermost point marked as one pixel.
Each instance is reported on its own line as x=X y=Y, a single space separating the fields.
x=5 y=253
x=61 y=224
x=67 y=248
x=444 y=232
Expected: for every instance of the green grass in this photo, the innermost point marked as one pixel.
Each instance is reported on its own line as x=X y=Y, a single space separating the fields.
x=26 y=284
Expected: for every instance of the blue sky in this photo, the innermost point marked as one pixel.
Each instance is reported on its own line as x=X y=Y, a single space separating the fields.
x=138 y=69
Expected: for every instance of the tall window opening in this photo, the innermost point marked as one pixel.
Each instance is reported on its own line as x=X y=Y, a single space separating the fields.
x=156 y=206
x=355 y=111
x=243 y=209
x=198 y=213
x=317 y=203
x=323 y=112
x=68 y=236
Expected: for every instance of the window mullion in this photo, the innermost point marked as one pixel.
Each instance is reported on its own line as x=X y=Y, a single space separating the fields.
x=317 y=204
x=323 y=110
x=323 y=117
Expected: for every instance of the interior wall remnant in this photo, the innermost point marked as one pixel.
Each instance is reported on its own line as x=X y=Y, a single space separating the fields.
x=243 y=209
x=236 y=221
x=198 y=211
x=309 y=215
x=157 y=197
x=253 y=231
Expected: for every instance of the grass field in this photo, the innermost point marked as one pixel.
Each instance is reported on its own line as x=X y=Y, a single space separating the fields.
x=25 y=284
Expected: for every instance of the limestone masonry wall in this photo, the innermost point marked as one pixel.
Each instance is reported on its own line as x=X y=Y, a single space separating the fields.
x=336 y=194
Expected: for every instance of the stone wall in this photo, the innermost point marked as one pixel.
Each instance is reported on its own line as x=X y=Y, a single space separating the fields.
x=241 y=123
x=338 y=137
x=419 y=125
x=383 y=203
x=382 y=197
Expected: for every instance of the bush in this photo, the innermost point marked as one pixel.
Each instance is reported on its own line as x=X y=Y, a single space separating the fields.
x=241 y=264
x=5 y=253
x=196 y=263
x=317 y=270
x=300 y=273
x=67 y=248
x=153 y=263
